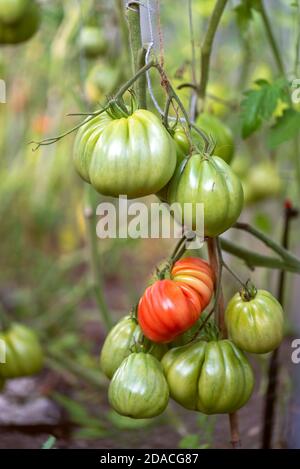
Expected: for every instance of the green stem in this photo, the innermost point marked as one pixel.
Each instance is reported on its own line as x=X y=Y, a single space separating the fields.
x=142 y=82
x=97 y=280
x=253 y=259
x=280 y=250
x=137 y=52
x=207 y=44
x=271 y=38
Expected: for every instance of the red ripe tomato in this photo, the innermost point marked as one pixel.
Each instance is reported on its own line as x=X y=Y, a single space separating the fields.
x=170 y=307
x=197 y=274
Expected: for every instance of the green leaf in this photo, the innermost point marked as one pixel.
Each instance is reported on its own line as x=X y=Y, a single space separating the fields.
x=259 y=104
x=286 y=128
x=244 y=13
x=190 y=441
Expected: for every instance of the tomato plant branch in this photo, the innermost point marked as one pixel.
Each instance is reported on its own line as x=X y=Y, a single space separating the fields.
x=97 y=280
x=137 y=51
x=206 y=48
x=215 y=256
x=280 y=250
x=253 y=259
x=271 y=37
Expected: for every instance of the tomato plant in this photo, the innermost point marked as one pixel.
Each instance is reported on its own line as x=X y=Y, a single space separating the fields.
x=120 y=343
x=255 y=321
x=132 y=155
x=212 y=377
x=170 y=307
x=23 y=352
x=207 y=180
x=138 y=388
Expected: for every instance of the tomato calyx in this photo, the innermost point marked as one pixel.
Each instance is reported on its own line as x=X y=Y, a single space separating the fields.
x=248 y=292
x=141 y=344
x=118 y=109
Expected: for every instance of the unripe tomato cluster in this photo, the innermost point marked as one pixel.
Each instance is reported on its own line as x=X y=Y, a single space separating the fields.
x=122 y=152
x=209 y=375
x=133 y=154
x=19 y=20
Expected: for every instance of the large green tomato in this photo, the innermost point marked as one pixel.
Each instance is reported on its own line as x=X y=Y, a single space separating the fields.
x=138 y=388
x=132 y=155
x=23 y=352
x=211 y=181
x=119 y=342
x=256 y=324
x=23 y=29
x=11 y=11
x=91 y=41
x=85 y=142
x=211 y=377
x=220 y=133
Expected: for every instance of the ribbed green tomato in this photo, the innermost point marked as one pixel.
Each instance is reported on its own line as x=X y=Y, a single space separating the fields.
x=23 y=352
x=182 y=150
x=91 y=41
x=11 y=11
x=85 y=142
x=211 y=181
x=220 y=132
x=133 y=155
x=211 y=377
x=24 y=28
x=117 y=346
x=255 y=325
x=138 y=388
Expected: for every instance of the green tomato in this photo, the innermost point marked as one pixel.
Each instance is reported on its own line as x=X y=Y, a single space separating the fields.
x=85 y=142
x=138 y=388
x=263 y=182
x=117 y=346
x=23 y=352
x=211 y=181
x=132 y=155
x=255 y=325
x=182 y=150
x=11 y=11
x=220 y=133
x=210 y=377
x=102 y=81
x=24 y=29
x=92 y=42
